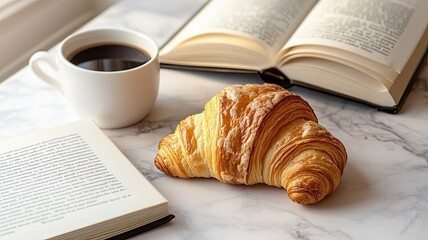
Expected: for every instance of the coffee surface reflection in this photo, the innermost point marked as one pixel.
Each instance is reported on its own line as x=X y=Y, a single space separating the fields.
x=110 y=58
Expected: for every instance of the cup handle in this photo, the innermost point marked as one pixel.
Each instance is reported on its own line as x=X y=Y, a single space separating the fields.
x=34 y=63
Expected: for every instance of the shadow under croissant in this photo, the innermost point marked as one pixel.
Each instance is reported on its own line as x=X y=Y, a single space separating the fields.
x=352 y=191
x=347 y=195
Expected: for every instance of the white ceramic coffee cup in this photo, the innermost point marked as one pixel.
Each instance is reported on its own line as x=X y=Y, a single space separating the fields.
x=111 y=99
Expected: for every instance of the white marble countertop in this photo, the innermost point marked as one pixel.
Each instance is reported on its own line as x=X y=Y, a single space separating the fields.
x=384 y=189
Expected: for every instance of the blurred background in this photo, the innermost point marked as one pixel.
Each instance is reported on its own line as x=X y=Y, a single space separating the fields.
x=27 y=26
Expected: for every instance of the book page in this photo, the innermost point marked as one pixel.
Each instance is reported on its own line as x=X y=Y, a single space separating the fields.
x=386 y=31
x=64 y=179
x=268 y=22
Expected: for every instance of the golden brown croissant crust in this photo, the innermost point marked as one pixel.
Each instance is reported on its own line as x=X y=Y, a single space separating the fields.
x=249 y=134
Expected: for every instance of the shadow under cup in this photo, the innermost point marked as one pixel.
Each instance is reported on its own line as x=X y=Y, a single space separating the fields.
x=110 y=75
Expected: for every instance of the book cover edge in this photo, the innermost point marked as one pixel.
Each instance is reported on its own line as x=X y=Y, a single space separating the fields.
x=143 y=228
x=273 y=75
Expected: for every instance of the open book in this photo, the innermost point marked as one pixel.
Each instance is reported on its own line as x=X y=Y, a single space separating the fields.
x=366 y=50
x=71 y=181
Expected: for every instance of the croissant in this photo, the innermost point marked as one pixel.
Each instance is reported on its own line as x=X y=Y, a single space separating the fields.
x=250 y=134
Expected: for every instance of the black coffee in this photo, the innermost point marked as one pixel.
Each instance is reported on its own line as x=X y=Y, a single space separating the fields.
x=110 y=58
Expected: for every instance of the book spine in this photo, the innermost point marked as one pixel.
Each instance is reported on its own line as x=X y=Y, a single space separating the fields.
x=273 y=75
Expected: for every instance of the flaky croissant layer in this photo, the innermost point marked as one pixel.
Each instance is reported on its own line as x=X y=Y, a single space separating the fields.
x=249 y=134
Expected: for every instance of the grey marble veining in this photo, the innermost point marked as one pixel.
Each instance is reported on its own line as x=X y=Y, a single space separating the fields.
x=384 y=189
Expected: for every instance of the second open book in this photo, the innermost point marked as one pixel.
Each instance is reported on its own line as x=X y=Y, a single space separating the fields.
x=367 y=50
x=72 y=182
